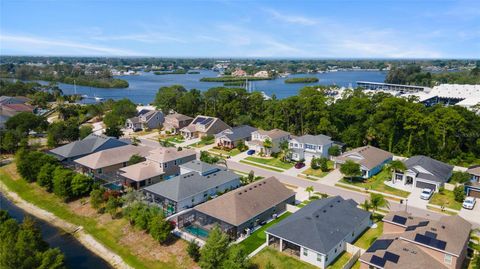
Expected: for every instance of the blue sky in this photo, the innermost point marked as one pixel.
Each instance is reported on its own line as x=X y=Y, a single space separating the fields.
x=278 y=29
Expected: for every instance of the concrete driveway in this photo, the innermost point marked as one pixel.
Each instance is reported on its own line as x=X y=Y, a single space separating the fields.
x=471 y=215
x=415 y=200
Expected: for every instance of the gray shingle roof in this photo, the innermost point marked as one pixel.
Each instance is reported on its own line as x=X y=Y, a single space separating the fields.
x=85 y=146
x=200 y=167
x=314 y=139
x=237 y=133
x=322 y=224
x=187 y=185
x=428 y=168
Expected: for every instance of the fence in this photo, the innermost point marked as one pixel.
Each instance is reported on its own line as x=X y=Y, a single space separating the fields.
x=356 y=252
x=292 y=208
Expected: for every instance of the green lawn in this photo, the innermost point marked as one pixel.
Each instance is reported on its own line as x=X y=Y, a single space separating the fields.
x=446 y=199
x=109 y=236
x=377 y=183
x=202 y=143
x=261 y=166
x=231 y=153
x=278 y=260
x=366 y=239
x=340 y=261
x=315 y=172
x=257 y=238
x=271 y=161
x=177 y=139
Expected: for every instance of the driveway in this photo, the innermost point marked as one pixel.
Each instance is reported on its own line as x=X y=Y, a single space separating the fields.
x=415 y=200
x=471 y=215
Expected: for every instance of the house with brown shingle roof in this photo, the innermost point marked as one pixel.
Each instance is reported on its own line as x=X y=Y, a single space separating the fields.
x=174 y=122
x=371 y=159
x=275 y=136
x=202 y=126
x=473 y=187
x=430 y=243
x=240 y=211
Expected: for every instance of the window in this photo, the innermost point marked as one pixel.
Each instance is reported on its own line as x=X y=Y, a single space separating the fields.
x=447 y=259
x=305 y=252
x=99 y=171
x=319 y=257
x=124 y=164
x=308 y=146
x=335 y=250
x=353 y=234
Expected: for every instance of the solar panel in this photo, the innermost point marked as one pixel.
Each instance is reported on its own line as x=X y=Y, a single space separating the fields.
x=433 y=242
x=380 y=244
x=422 y=223
x=198 y=119
x=206 y=121
x=439 y=244
x=430 y=234
x=391 y=257
x=399 y=219
x=411 y=228
x=377 y=261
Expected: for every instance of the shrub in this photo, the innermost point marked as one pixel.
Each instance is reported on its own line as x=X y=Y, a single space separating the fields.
x=459 y=193
x=62 y=182
x=81 y=185
x=96 y=198
x=159 y=228
x=193 y=250
x=45 y=176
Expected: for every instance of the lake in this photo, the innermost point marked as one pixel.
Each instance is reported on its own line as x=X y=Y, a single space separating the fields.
x=76 y=255
x=143 y=87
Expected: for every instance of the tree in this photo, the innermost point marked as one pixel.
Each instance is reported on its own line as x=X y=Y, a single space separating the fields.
x=52 y=259
x=62 y=182
x=45 y=176
x=159 y=228
x=309 y=189
x=10 y=139
x=366 y=205
x=207 y=158
x=29 y=163
x=286 y=151
x=314 y=163
x=237 y=258
x=214 y=252
x=134 y=159
x=81 y=185
x=26 y=122
x=459 y=193
x=241 y=146
x=96 y=198
x=323 y=164
x=396 y=166
x=377 y=201
x=167 y=97
x=460 y=177
x=350 y=169
x=113 y=131
x=112 y=205
x=85 y=130
x=61 y=131
x=334 y=150
x=165 y=143
x=193 y=250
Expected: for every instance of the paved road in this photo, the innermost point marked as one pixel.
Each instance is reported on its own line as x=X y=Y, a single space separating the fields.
x=331 y=190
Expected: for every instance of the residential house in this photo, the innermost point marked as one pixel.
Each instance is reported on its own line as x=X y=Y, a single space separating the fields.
x=202 y=126
x=261 y=74
x=414 y=242
x=239 y=73
x=309 y=146
x=239 y=211
x=146 y=120
x=275 y=136
x=472 y=188
x=106 y=163
x=11 y=106
x=190 y=189
x=319 y=232
x=90 y=144
x=174 y=122
x=161 y=163
x=199 y=167
x=4 y=100
x=424 y=172
x=371 y=159
x=229 y=138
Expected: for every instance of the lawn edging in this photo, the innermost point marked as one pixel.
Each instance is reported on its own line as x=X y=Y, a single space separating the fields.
x=262 y=166
x=360 y=189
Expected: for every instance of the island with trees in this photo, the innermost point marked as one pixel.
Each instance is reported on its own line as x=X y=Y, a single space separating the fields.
x=302 y=80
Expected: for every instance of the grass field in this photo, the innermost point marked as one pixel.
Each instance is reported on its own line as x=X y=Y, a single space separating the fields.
x=117 y=235
x=446 y=199
x=270 y=161
x=231 y=153
x=278 y=260
x=340 y=261
x=261 y=166
x=366 y=239
x=259 y=237
x=377 y=183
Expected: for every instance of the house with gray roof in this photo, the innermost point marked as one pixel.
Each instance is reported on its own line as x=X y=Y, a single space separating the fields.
x=423 y=172
x=146 y=119
x=472 y=188
x=318 y=233
x=90 y=144
x=200 y=167
x=229 y=138
x=275 y=136
x=370 y=159
x=190 y=189
x=309 y=146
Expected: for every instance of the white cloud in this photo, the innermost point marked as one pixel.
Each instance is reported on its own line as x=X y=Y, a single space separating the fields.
x=292 y=19
x=43 y=46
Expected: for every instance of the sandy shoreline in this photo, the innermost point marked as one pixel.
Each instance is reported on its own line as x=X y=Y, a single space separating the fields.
x=84 y=238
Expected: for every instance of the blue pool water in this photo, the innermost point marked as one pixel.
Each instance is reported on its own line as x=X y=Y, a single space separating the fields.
x=197 y=231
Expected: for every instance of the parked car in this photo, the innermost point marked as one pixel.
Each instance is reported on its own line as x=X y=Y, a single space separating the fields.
x=299 y=165
x=251 y=152
x=426 y=194
x=469 y=203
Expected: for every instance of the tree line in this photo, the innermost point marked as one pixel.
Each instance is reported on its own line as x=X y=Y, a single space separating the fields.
x=401 y=126
x=413 y=74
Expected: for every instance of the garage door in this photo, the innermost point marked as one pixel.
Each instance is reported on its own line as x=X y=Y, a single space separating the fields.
x=423 y=185
x=474 y=193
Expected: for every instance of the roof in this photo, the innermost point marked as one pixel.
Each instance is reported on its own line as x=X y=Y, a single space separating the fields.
x=313 y=139
x=190 y=184
x=274 y=133
x=134 y=120
x=200 y=167
x=237 y=133
x=474 y=170
x=322 y=224
x=85 y=146
x=204 y=123
x=178 y=116
x=151 y=114
x=13 y=99
x=163 y=154
x=246 y=202
x=428 y=168
x=390 y=252
x=142 y=171
x=448 y=234
x=18 y=107
x=108 y=157
x=367 y=156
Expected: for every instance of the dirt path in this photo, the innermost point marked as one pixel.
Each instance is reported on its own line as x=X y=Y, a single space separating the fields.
x=84 y=238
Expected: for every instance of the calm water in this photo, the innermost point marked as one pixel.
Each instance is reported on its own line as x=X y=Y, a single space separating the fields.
x=76 y=255
x=143 y=87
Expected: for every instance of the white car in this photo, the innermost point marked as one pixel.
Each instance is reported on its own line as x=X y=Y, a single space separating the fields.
x=469 y=203
x=426 y=194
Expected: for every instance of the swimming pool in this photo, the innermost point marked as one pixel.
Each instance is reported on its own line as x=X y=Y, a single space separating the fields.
x=113 y=186
x=197 y=231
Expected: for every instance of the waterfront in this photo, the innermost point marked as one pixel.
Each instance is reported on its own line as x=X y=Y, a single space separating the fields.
x=76 y=255
x=143 y=87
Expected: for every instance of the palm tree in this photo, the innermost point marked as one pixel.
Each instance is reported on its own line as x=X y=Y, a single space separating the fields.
x=396 y=166
x=285 y=150
x=366 y=205
x=377 y=201
x=165 y=143
x=309 y=189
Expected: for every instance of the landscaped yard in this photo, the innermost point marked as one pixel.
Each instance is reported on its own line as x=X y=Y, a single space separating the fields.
x=271 y=161
x=316 y=173
x=278 y=260
x=174 y=139
x=259 y=237
x=340 y=261
x=446 y=199
x=366 y=239
x=232 y=152
x=202 y=143
x=261 y=166
x=377 y=183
